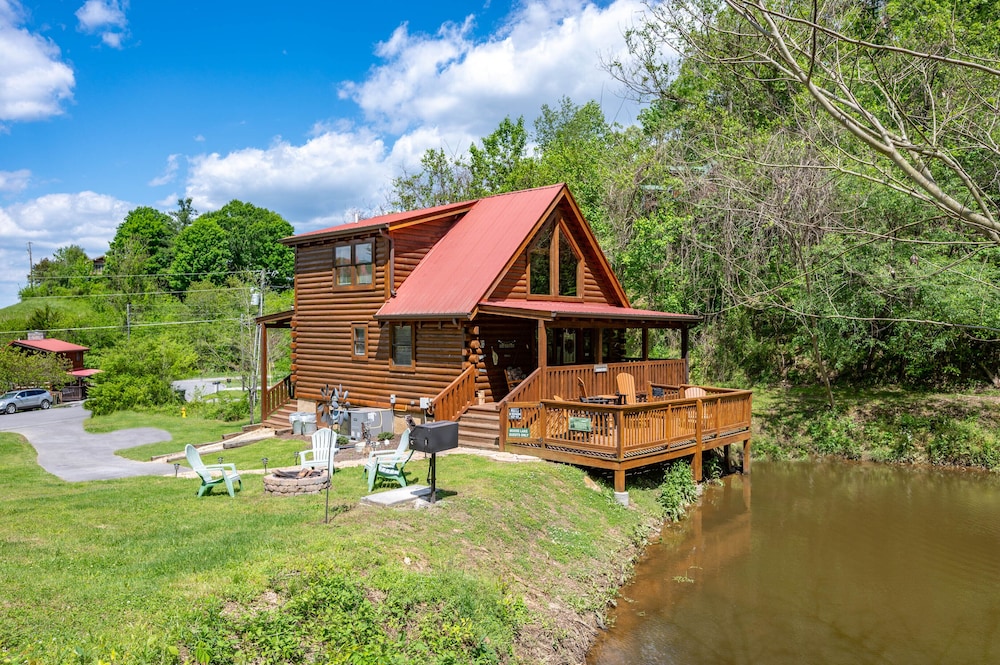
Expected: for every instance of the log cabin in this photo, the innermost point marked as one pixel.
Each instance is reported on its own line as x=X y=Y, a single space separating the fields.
x=461 y=310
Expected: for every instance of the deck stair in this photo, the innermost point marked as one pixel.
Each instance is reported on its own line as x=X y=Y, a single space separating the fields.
x=278 y=421
x=479 y=427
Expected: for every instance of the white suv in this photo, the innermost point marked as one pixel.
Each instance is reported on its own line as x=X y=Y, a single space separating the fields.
x=30 y=398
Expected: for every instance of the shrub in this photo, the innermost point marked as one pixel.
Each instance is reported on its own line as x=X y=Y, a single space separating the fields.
x=678 y=490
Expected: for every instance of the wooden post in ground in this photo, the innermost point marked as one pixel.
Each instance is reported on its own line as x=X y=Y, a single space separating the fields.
x=696 y=463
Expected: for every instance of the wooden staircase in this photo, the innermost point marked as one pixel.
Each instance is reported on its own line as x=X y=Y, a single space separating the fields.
x=479 y=427
x=278 y=421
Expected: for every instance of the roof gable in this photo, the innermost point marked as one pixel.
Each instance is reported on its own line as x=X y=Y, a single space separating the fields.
x=464 y=265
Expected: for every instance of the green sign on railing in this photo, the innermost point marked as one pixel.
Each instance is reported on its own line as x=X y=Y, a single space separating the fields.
x=580 y=424
x=518 y=433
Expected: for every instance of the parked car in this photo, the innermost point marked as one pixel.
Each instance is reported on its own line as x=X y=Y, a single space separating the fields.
x=29 y=398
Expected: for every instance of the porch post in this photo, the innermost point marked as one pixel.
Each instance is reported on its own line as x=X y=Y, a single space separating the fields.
x=684 y=343
x=599 y=352
x=645 y=343
x=543 y=348
x=263 y=357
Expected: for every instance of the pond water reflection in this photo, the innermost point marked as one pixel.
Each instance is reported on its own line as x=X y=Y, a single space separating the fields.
x=830 y=562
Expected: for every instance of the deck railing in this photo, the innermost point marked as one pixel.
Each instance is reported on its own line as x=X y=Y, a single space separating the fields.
x=601 y=379
x=457 y=397
x=660 y=428
x=275 y=397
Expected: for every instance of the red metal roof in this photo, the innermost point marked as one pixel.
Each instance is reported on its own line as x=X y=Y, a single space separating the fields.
x=85 y=372
x=555 y=309
x=374 y=222
x=459 y=270
x=50 y=345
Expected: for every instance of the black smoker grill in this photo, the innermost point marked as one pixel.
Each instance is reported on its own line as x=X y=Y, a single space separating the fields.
x=433 y=438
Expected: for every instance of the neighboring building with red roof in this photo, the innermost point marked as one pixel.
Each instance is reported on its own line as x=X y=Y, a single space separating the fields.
x=458 y=299
x=72 y=352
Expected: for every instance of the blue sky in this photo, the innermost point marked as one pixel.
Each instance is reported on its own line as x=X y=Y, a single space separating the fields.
x=306 y=108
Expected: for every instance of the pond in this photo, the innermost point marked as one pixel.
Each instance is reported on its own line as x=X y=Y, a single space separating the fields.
x=822 y=562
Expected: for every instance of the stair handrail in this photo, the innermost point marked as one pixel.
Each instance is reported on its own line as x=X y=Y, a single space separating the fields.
x=452 y=402
x=275 y=397
x=527 y=390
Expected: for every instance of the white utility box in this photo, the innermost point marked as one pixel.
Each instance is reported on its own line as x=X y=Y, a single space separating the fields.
x=370 y=421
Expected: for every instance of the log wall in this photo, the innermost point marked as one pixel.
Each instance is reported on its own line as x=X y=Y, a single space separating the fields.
x=322 y=338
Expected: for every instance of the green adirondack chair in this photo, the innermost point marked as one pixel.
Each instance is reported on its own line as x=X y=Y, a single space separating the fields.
x=389 y=464
x=228 y=474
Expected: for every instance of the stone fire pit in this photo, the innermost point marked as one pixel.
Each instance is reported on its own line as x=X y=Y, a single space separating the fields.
x=290 y=483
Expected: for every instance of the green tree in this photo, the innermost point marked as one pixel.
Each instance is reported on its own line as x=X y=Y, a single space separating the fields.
x=20 y=369
x=202 y=251
x=138 y=374
x=501 y=164
x=184 y=215
x=144 y=242
x=253 y=235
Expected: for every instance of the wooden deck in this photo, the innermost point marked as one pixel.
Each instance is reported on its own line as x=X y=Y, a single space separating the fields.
x=624 y=437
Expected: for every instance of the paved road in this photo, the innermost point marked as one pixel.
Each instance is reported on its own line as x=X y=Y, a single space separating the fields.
x=70 y=453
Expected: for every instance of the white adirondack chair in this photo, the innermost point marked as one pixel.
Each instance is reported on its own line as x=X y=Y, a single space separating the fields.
x=324 y=447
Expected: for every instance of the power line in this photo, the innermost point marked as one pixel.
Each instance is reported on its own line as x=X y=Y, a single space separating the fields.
x=134 y=325
x=144 y=293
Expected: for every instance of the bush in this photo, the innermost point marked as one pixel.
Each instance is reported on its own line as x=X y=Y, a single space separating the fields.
x=678 y=490
x=229 y=407
x=137 y=375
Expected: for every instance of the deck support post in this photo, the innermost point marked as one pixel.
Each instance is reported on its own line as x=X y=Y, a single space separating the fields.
x=746 y=456
x=621 y=496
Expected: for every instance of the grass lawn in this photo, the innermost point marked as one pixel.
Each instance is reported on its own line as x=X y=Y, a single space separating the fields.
x=510 y=568
x=182 y=431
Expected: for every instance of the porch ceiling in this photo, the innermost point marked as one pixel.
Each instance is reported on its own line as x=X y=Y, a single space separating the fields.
x=554 y=310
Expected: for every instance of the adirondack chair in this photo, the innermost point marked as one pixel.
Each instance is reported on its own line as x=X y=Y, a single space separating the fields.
x=205 y=472
x=320 y=456
x=626 y=388
x=389 y=463
x=581 y=387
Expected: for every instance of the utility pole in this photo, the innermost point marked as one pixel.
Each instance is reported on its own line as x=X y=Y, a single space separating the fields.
x=31 y=268
x=259 y=341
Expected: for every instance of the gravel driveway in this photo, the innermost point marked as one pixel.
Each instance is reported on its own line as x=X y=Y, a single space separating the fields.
x=70 y=453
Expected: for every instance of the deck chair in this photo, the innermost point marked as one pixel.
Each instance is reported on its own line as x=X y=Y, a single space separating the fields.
x=582 y=387
x=320 y=456
x=626 y=388
x=694 y=391
x=205 y=472
x=389 y=463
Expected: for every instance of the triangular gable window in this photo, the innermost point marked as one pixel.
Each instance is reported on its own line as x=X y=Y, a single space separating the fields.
x=554 y=263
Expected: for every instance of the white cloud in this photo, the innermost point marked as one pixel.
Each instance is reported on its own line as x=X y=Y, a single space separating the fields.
x=546 y=50
x=169 y=173
x=14 y=181
x=34 y=82
x=106 y=17
x=309 y=184
x=49 y=222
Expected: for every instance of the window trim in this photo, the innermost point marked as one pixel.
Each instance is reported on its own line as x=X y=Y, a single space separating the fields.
x=355 y=328
x=353 y=265
x=392 y=346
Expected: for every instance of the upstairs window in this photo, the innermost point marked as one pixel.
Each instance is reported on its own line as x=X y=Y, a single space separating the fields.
x=554 y=264
x=354 y=265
